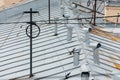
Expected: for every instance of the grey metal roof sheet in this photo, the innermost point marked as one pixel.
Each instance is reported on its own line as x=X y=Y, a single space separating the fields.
x=51 y=59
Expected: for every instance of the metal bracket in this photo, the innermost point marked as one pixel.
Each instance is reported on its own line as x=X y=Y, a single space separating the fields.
x=33 y=23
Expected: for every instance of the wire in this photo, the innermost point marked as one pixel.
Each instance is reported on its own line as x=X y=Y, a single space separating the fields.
x=100 y=5
x=66 y=49
x=64 y=45
x=74 y=23
x=46 y=21
x=103 y=7
x=66 y=75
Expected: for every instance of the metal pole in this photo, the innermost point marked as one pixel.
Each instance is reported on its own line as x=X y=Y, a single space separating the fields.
x=31 y=42
x=30 y=36
x=49 y=10
x=95 y=4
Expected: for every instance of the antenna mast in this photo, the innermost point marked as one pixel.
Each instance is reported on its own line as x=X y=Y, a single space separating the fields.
x=31 y=12
x=49 y=10
x=95 y=5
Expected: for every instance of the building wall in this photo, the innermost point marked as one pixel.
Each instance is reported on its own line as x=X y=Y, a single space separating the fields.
x=112 y=11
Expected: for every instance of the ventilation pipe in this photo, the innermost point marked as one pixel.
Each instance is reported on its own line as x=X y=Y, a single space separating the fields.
x=85 y=74
x=87 y=29
x=62 y=10
x=87 y=34
x=95 y=47
x=66 y=14
x=69 y=32
x=55 y=28
x=76 y=54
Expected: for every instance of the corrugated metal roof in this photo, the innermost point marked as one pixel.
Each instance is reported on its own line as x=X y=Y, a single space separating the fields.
x=51 y=54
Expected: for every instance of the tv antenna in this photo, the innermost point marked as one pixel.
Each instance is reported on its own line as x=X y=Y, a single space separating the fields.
x=30 y=35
